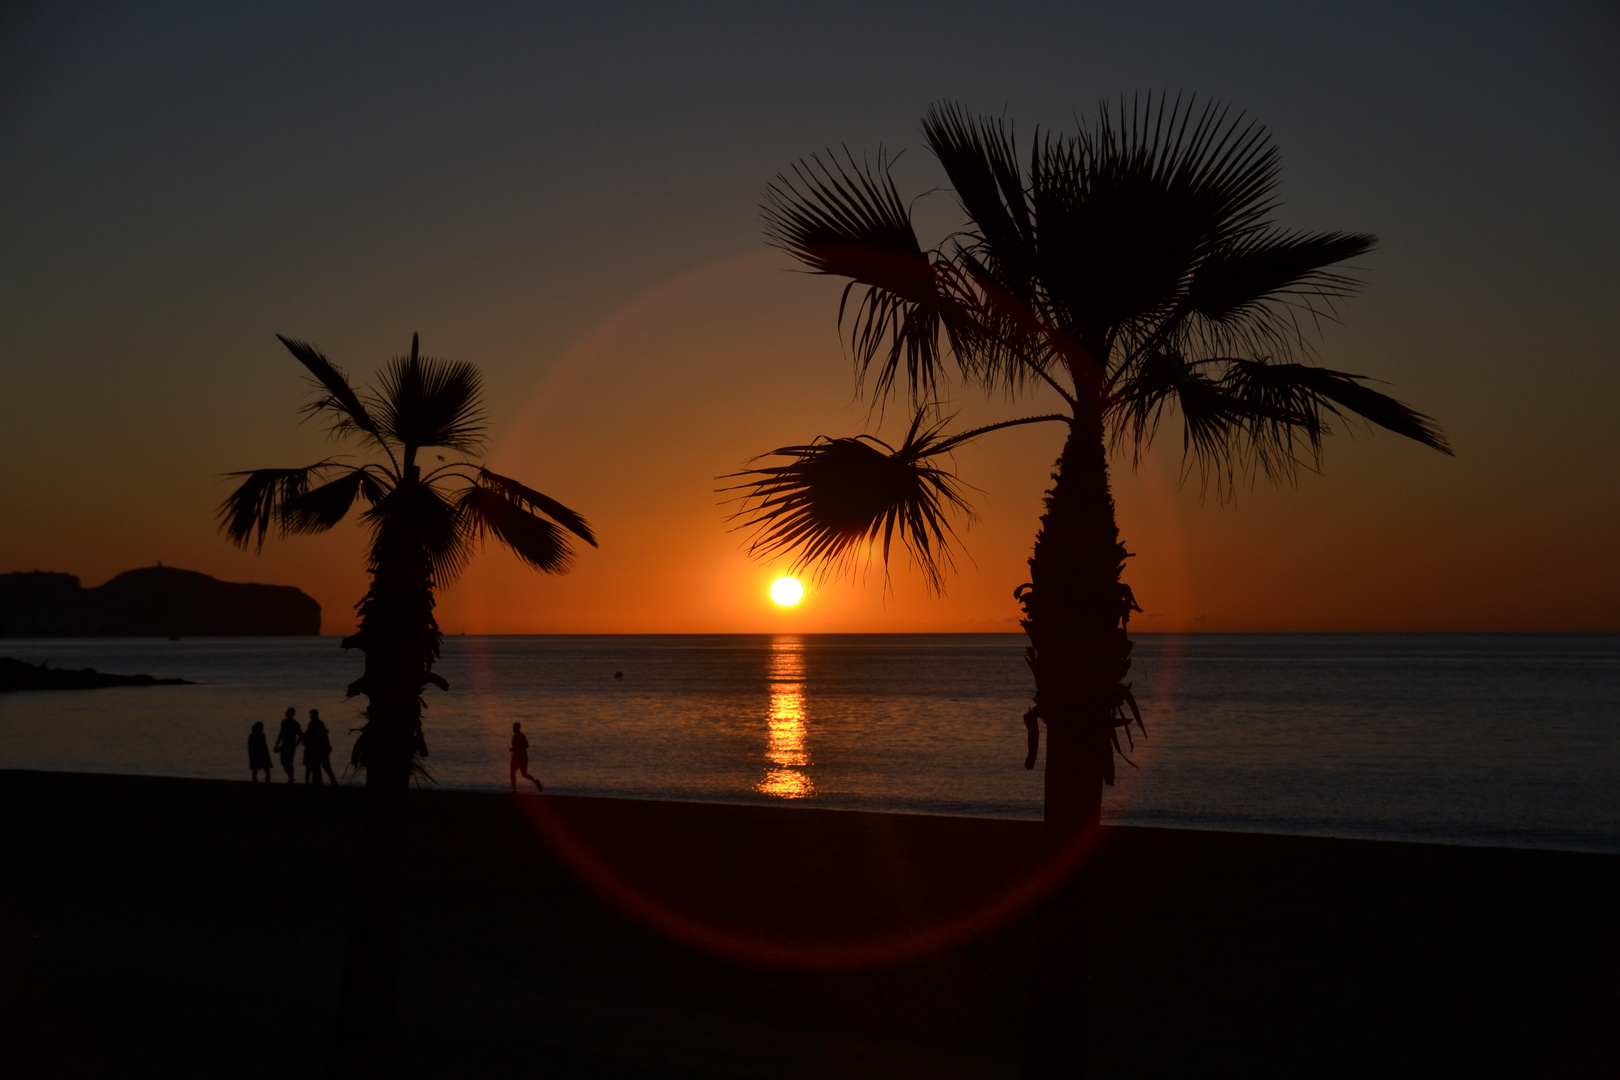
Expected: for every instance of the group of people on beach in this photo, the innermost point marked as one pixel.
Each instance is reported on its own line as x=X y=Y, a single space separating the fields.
x=315 y=739
x=317 y=743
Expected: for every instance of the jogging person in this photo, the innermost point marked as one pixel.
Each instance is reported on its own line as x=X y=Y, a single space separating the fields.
x=520 y=759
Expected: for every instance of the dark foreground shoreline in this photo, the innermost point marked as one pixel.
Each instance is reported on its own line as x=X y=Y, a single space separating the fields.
x=156 y=927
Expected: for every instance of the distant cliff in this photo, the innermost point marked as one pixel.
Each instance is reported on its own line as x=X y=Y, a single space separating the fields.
x=155 y=601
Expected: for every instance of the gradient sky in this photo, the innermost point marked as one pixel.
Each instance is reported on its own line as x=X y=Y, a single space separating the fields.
x=569 y=198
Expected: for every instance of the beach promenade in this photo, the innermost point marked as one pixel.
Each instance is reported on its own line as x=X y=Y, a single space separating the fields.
x=155 y=927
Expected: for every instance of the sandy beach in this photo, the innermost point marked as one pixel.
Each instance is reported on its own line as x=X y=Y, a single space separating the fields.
x=156 y=927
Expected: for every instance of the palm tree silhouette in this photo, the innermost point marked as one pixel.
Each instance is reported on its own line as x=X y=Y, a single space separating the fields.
x=1131 y=270
x=424 y=525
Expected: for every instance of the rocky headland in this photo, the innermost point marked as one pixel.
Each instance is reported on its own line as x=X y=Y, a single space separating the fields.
x=21 y=675
x=154 y=601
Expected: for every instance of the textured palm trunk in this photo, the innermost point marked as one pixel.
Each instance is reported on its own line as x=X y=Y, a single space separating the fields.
x=1075 y=612
x=400 y=639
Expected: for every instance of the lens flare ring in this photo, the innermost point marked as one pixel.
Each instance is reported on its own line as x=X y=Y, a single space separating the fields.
x=1061 y=858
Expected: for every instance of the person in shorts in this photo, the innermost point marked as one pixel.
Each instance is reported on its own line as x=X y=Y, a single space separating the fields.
x=520 y=759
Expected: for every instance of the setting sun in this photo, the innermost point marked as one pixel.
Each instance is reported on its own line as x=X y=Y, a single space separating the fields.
x=787 y=591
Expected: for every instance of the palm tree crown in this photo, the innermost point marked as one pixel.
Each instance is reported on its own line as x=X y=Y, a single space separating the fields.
x=420 y=402
x=1133 y=270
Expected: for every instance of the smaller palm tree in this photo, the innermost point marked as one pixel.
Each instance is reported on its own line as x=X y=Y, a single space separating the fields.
x=424 y=525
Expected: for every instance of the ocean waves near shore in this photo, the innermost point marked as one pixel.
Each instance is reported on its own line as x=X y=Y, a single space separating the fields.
x=1481 y=739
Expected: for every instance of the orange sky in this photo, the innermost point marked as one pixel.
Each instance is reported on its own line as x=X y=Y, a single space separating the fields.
x=632 y=421
x=570 y=201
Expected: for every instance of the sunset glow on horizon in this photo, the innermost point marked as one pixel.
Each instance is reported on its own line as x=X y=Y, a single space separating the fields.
x=640 y=342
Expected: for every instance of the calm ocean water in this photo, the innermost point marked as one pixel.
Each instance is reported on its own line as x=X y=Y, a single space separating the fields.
x=1480 y=739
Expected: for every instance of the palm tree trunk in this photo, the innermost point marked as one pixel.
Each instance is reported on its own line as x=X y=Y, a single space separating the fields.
x=400 y=638
x=1075 y=612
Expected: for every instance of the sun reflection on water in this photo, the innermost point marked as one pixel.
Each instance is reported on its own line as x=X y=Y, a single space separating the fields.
x=786 y=755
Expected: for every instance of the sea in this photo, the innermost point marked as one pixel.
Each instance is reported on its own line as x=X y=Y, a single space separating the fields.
x=1480 y=739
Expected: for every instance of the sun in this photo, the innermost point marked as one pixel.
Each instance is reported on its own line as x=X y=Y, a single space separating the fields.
x=787 y=591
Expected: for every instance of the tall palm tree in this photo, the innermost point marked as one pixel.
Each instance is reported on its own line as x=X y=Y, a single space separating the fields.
x=424 y=525
x=1131 y=270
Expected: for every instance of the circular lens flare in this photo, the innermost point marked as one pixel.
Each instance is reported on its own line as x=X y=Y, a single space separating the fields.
x=787 y=591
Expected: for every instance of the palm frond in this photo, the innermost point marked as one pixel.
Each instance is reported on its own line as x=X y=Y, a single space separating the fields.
x=258 y=502
x=852 y=223
x=828 y=504
x=538 y=542
x=1209 y=414
x=1000 y=337
x=1124 y=209
x=429 y=401
x=981 y=158
x=319 y=509
x=420 y=519
x=336 y=397
x=1246 y=416
x=1255 y=268
x=1315 y=390
x=1246 y=293
x=531 y=499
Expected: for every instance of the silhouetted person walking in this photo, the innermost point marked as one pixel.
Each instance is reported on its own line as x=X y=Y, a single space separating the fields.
x=258 y=752
x=520 y=759
x=317 y=750
x=287 y=742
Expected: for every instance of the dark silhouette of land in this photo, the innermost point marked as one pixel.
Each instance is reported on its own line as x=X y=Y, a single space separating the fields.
x=21 y=675
x=139 y=923
x=154 y=601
